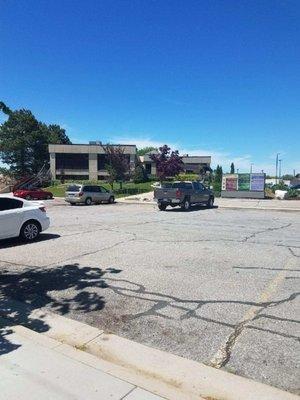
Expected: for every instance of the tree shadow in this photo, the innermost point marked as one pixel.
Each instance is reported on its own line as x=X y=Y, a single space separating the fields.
x=23 y=292
x=7 y=243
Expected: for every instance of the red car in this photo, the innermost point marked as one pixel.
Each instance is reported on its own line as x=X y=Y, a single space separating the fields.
x=30 y=194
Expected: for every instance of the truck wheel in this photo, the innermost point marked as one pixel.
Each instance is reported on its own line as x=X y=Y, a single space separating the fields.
x=210 y=202
x=162 y=207
x=186 y=205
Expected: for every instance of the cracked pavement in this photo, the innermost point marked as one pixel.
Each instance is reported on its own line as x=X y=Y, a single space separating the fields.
x=217 y=286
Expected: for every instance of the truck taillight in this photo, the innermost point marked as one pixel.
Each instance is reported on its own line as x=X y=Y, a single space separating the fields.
x=80 y=194
x=178 y=193
x=43 y=209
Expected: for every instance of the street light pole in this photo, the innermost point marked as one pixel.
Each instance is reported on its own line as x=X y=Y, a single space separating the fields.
x=279 y=169
x=251 y=168
x=276 y=177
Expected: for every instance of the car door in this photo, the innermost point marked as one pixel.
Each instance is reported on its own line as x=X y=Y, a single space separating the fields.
x=204 y=193
x=198 y=192
x=39 y=194
x=104 y=194
x=10 y=217
x=96 y=194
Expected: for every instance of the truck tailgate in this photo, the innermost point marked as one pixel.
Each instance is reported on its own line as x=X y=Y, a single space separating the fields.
x=165 y=193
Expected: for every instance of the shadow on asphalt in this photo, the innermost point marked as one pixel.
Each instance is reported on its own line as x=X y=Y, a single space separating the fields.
x=23 y=292
x=192 y=209
x=6 y=243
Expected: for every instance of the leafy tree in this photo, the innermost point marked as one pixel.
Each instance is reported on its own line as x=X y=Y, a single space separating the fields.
x=287 y=177
x=145 y=150
x=232 y=168
x=24 y=141
x=117 y=164
x=217 y=182
x=168 y=163
x=140 y=174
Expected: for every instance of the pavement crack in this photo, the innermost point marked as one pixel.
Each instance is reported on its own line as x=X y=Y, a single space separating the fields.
x=253 y=235
x=292 y=252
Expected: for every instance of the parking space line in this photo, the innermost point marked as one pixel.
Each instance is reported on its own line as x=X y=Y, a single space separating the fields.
x=222 y=356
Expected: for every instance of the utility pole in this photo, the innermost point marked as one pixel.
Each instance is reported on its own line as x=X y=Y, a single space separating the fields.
x=251 y=168
x=237 y=170
x=279 y=169
x=276 y=177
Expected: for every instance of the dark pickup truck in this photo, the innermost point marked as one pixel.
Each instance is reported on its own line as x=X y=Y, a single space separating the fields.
x=183 y=194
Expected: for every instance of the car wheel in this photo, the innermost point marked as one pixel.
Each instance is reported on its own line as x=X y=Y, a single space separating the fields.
x=30 y=231
x=210 y=202
x=111 y=200
x=49 y=197
x=186 y=205
x=88 y=201
x=162 y=207
x=28 y=197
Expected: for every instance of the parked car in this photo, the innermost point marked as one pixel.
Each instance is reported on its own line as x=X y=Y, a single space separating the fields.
x=22 y=218
x=88 y=194
x=281 y=194
x=183 y=194
x=30 y=194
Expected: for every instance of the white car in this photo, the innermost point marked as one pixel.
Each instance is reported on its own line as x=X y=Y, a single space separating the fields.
x=19 y=217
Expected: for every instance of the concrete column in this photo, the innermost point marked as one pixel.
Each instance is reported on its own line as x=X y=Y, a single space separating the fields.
x=132 y=162
x=153 y=168
x=53 y=165
x=93 y=167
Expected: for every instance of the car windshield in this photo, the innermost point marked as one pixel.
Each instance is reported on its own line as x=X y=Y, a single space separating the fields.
x=74 y=188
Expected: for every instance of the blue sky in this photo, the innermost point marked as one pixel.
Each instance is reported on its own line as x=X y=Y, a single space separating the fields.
x=207 y=77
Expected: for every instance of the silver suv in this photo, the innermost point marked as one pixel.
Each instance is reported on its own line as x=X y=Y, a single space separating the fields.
x=88 y=194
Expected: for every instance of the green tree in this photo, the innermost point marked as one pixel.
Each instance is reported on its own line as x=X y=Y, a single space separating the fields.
x=24 y=141
x=232 y=168
x=217 y=179
x=145 y=150
x=140 y=174
x=117 y=164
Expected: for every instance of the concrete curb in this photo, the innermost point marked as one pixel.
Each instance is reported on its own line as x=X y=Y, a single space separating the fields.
x=159 y=372
x=153 y=203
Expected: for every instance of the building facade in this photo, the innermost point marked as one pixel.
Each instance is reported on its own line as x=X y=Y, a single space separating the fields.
x=192 y=164
x=87 y=161
x=84 y=161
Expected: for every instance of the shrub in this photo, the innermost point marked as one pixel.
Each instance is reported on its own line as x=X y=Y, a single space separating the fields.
x=292 y=194
x=187 y=177
x=269 y=193
x=140 y=175
x=279 y=186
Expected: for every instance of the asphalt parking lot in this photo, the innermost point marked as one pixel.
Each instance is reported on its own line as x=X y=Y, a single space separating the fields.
x=214 y=285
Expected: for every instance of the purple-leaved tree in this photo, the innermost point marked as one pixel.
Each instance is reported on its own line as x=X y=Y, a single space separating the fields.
x=168 y=163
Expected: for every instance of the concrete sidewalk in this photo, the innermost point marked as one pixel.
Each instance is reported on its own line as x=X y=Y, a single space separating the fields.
x=74 y=361
x=250 y=204
x=35 y=367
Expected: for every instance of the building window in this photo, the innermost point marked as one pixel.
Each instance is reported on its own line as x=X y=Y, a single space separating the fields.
x=72 y=177
x=102 y=161
x=148 y=168
x=72 y=161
